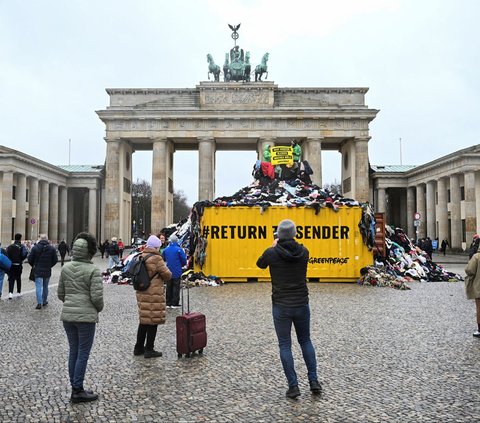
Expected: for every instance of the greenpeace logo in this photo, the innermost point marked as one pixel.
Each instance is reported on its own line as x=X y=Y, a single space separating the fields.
x=328 y=260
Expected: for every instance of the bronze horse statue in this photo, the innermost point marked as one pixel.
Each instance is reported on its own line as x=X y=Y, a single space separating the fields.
x=213 y=68
x=261 y=68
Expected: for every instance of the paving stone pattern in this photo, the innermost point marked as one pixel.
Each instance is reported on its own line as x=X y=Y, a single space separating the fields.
x=383 y=356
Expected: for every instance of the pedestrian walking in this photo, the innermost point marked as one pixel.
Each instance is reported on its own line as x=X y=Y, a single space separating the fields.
x=80 y=288
x=63 y=250
x=121 y=247
x=17 y=253
x=175 y=258
x=113 y=253
x=42 y=258
x=287 y=261
x=474 y=246
x=151 y=302
x=472 y=285
x=104 y=247
x=444 y=245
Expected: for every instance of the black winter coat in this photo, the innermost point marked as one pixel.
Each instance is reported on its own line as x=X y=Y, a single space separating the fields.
x=287 y=262
x=43 y=257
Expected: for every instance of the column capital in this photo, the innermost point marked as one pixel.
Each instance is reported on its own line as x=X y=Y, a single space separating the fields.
x=308 y=139
x=206 y=139
x=159 y=139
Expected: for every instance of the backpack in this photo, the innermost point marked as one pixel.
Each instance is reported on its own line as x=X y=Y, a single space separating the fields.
x=138 y=272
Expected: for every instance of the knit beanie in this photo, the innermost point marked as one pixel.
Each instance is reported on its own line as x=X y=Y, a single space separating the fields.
x=173 y=239
x=286 y=229
x=153 y=242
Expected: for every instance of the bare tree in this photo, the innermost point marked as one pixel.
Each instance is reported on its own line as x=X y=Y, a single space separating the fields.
x=181 y=209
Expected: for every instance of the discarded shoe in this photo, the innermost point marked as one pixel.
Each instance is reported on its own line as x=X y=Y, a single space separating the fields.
x=315 y=387
x=83 y=396
x=152 y=354
x=293 y=392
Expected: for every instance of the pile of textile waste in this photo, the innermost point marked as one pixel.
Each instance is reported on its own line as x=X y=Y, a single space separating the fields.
x=404 y=262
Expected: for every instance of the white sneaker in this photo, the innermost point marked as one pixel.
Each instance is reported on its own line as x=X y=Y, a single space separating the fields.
x=476 y=334
x=10 y=295
x=19 y=294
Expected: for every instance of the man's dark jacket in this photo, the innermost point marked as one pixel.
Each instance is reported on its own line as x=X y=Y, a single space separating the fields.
x=287 y=262
x=43 y=256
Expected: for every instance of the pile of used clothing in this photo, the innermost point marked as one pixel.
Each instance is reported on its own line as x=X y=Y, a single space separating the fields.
x=191 y=278
x=405 y=262
x=265 y=192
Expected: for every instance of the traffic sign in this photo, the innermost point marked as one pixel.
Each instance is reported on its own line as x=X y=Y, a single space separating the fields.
x=416 y=222
x=33 y=221
x=417 y=216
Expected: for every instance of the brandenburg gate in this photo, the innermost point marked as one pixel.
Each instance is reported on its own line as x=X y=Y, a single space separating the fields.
x=231 y=115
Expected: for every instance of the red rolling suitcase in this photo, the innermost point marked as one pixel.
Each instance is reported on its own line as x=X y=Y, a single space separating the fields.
x=191 y=331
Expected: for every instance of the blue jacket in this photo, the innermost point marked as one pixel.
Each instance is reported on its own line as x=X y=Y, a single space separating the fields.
x=175 y=258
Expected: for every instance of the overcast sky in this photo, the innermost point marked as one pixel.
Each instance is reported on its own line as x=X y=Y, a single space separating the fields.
x=419 y=59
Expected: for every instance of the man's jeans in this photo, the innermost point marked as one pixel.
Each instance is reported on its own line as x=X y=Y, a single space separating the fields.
x=283 y=317
x=113 y=261
x=80 y=339
x=173 y=292
x=41 y=289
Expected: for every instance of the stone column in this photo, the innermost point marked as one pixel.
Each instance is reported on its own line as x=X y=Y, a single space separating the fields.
x=53 y=214
x=33 y=210
x=430 y=206
x=381 y=200
x=314 y=158
x=62 y=217
x=113 y=188
x=21 y=200
x=159 y=185
x=361 y=170
x=7 y=208
x=455 y=215
x=442 y=210
x=410 y=212
x=92 y=211
x=421 y=209
x=206 y=169
x=44 y=200
x=470 y=206
x=261 y=143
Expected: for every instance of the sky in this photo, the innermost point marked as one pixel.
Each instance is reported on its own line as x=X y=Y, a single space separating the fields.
x=419 y=59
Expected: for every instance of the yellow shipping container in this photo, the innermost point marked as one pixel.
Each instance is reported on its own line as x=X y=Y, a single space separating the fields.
x=237 y=236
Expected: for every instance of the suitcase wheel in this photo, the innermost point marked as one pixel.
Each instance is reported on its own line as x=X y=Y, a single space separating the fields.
x=179 y=355
x=188 y=355
x=200 y=351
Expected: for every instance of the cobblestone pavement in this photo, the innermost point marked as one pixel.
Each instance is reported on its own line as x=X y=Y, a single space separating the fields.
x=383 y=356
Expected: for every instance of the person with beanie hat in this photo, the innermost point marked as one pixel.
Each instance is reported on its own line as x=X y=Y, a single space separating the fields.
x=175 y=258
x=80 y=288
x=151 y=302
x=287 y=261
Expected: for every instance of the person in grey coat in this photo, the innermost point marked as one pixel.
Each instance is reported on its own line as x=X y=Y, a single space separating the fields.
x=80 y=288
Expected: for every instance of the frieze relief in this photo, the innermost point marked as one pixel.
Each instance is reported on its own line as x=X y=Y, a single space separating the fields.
x=237 y=124
x=250 y=97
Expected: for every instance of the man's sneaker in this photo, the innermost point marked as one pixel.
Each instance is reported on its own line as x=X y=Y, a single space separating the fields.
x=175 y=306
x=19 y=294
x=293 y=392
x=315 y=387
x=476 y=334
x=38 y=307
x=10 y=295
x=152 y=354
x=45 y=303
